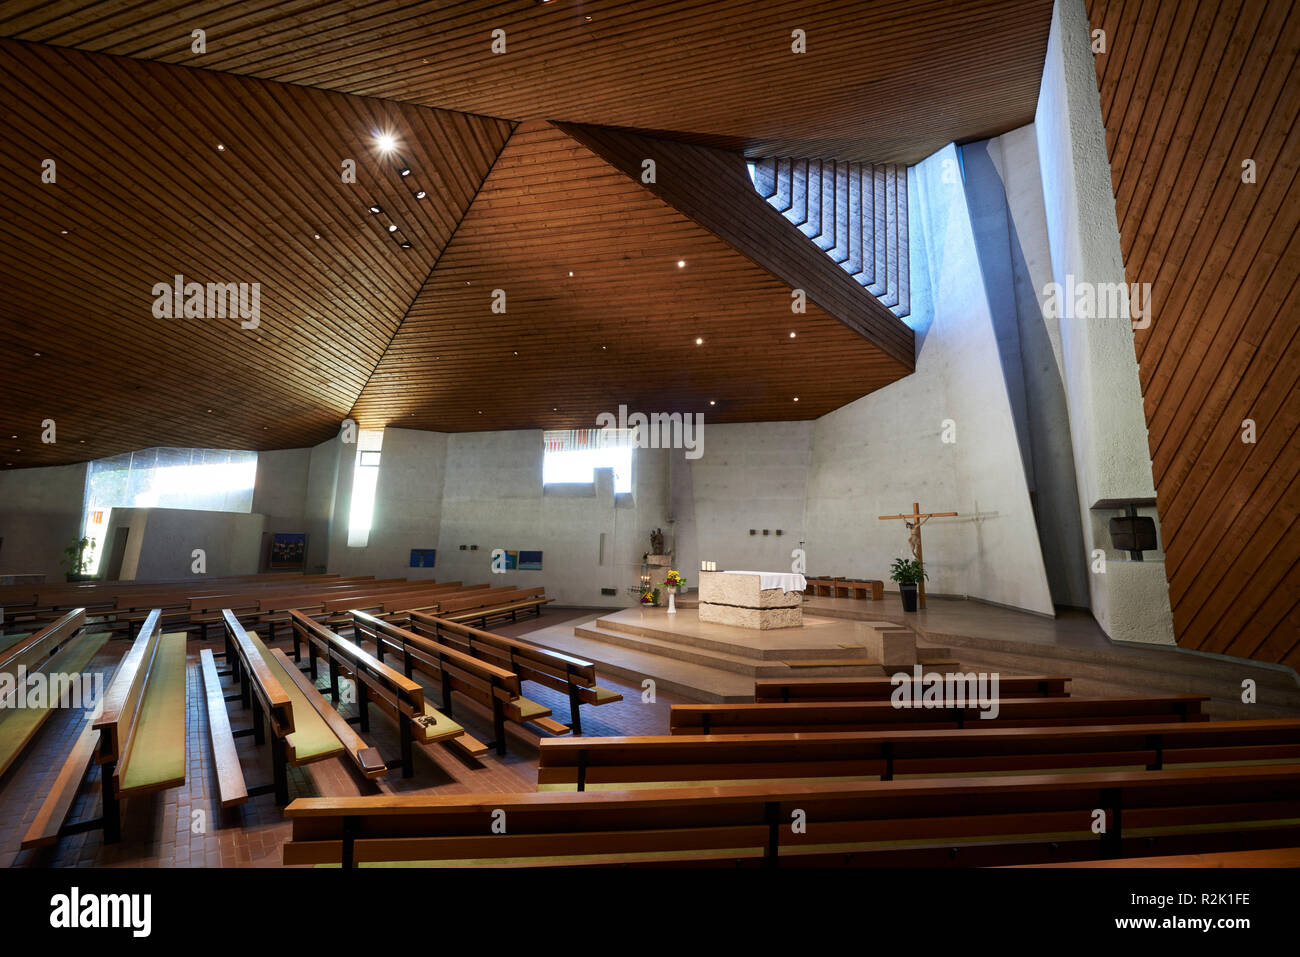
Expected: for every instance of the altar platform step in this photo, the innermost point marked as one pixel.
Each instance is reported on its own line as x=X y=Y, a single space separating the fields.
x=687 y=680
x=750 y=665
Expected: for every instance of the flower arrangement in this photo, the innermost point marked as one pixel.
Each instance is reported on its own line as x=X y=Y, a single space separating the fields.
x=651 y=597
x=674 y=580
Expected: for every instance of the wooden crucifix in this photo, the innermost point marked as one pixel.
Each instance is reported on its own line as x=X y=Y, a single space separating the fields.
x=914 y=521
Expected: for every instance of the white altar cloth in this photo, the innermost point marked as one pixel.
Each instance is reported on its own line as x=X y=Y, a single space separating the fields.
x=786 y=581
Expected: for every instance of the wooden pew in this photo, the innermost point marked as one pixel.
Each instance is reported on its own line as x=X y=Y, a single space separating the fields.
x=484 y=608
x=556 y=670
x=565 y=764
x=494 y=688
x=968 y=822
x=393 y=692
x=137 y=737
x=882 y=715
x=56 y=651
x=771 y=690
x=304 y=727
x=338 y=612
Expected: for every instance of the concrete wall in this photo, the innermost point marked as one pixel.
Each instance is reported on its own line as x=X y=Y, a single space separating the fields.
x=493 y=498
x=408 y=507
x=752 y=475
x=879 y=454
x=281 y=494
x=40 y=514
x=1112 y=463
x=1007 y=215
x=163 y=540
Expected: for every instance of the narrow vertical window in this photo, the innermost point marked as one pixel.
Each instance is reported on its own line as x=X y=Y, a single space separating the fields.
x=365 y=482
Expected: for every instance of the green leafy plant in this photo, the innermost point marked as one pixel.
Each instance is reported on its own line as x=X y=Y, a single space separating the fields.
x=907 y=571
x=75 y=561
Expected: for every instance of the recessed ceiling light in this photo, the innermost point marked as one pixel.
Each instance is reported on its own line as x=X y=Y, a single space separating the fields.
x=681 y=263
x=13 y=436
x=392 y=228
x=404 y=171
x=64 y=232
x=699 y=341
x=81 y=441
x=209 y=410
x=570 y=273
x=711 y=402
x=375 y=208
x=221 y=148
x=516 y=353
x=405 y=245
x=386 y=142
x=317 y=235
x=420 y=194
x=792 y=335
x=555 y=409
x=602 y=347
x=587 y=18
x=796 y=398
x=36 y=354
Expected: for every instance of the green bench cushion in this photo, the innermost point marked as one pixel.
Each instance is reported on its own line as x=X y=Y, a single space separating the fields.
x=436 y=726
x=157 y=757
x=19 y=725
x=528 y=708
x=605 y=696
x=312 y=738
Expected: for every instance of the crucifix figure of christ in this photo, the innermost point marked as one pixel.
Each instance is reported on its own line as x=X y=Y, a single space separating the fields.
x=914 y=521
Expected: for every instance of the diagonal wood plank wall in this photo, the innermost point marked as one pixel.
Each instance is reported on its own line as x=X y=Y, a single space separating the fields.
x=1189 y=92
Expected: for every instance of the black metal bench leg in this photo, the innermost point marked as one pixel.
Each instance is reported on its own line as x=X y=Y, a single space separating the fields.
x=259 y=727
x=279 y=760
x=499 y=725
x=112 y=806
x=363 y=703
x=408 y=761
x=334 y=681
x=575 y=723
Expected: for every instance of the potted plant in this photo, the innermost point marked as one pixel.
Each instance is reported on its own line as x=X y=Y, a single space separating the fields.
x=908 y=573
x=75 y=561
x=673 y=581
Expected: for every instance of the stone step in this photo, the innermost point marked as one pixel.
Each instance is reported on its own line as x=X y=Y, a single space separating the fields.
x=692 y=682
x=721 y=660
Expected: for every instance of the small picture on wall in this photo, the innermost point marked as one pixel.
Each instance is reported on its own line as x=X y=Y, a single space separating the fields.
x=530 y=561
x=512 y=561
x=288 y=550
x=423 y=557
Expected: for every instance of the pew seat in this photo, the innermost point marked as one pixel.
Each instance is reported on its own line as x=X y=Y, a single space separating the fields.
x=19 y=725
x=155 y=754
x=232 y=790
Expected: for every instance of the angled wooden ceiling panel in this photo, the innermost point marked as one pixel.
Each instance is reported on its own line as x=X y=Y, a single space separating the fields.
x=713 y=187
x=881 y=81
x=1188 y=93
x=622 y=327
x=143 y=194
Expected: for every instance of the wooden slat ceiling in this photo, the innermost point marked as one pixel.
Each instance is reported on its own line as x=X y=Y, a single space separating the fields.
x=1188 y=92
x=887 y=81
x=144 y=194
x=622 y=328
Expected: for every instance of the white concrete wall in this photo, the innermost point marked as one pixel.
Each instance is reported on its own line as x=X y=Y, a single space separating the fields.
x=1130 y=600
x=163 y=540
x=40 y=514
x=493 y=498
x=1005 y=193
x=752 y=475
x=879 y=454
x=408 y=507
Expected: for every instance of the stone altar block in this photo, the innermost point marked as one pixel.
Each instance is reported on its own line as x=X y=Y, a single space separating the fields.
x=738 y=598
